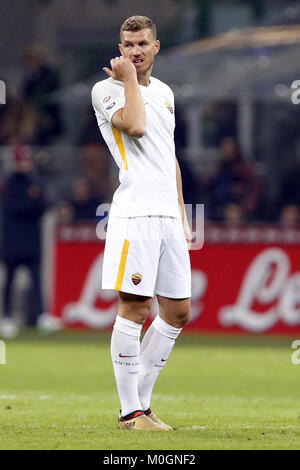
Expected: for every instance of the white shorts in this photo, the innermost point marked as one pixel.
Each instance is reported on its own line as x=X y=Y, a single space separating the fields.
x=146 y=256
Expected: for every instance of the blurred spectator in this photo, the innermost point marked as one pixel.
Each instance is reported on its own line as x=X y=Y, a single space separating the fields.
x=95 y=168
x=290 y=192
x=83 y=204
x=64 y=212
x=180 y=133
x=22 y=207
x=191 y=184
x=289 y=216
x=40 y=81
x=219 y=119
x=19 y=122
x=233 y=214
x=234 y=182
x=89 y=133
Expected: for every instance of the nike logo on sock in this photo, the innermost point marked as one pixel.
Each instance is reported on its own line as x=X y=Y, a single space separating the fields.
x=121 y=355
x=163 y=360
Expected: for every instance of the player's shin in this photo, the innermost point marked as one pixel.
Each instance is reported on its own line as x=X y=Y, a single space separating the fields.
x=125 y=353
x=156 y=347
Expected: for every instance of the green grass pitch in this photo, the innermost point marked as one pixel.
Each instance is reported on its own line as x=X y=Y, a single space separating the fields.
x=58 y=392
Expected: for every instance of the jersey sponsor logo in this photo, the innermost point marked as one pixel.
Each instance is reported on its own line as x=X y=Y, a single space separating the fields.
x=169 y=106
x=106 y=99
x=136 y=278
x=111 y=105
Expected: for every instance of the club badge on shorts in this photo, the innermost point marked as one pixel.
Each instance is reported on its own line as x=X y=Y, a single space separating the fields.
x=136 y=278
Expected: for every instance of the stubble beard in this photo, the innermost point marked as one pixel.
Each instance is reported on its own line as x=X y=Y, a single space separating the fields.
x=144 y=72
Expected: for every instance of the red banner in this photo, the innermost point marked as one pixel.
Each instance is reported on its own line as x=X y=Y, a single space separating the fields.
x=243 y=280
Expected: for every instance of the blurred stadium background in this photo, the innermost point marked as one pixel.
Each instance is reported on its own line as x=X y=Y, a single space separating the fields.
x=231 y=65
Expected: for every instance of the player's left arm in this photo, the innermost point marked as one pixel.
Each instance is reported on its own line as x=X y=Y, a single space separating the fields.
x=185 y=223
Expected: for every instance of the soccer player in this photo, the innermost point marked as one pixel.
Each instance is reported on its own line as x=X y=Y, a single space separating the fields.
x=146 y=250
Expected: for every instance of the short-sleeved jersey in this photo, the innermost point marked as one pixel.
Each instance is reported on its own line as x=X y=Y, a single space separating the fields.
x=147 y=165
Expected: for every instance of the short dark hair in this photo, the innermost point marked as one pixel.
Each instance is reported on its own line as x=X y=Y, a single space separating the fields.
x=136 y=23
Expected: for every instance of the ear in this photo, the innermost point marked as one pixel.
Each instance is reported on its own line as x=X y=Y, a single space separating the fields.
x=120 y=48
x=157 y=47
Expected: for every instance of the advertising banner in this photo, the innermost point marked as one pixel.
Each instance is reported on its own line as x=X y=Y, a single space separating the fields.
x=244 y=279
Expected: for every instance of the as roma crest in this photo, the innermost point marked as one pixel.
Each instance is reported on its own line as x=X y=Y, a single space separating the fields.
x=169 y=106
x=136 y=278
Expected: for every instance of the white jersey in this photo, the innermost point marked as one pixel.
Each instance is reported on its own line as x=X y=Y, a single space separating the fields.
x=147 y=166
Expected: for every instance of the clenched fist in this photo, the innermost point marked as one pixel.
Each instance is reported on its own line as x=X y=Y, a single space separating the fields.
x=121 y=69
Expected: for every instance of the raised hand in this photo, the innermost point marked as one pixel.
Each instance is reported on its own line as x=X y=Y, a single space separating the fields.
x=122 y=69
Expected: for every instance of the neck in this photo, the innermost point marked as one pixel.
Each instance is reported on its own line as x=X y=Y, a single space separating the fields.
x=144 y=78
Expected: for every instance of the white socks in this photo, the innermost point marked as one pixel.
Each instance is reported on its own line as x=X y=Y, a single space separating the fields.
x=137 y=367
x=156 y=347
x=125 y=353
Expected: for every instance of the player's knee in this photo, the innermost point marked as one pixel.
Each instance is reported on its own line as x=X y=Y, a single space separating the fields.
x=183 y=317
x=134 y=308
x=176 y=313
x=136 y=316
x=141 y=315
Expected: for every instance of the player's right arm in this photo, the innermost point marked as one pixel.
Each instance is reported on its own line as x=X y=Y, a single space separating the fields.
x=131 y=119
